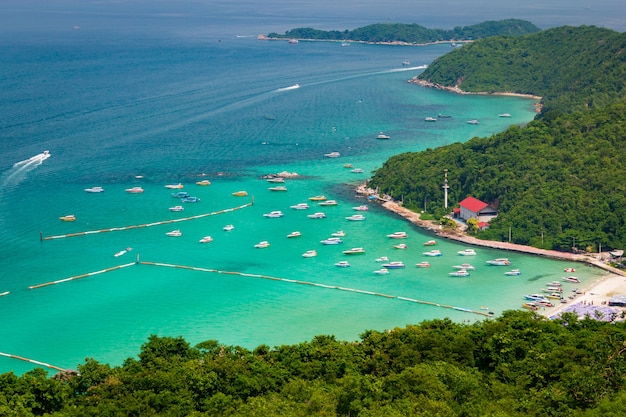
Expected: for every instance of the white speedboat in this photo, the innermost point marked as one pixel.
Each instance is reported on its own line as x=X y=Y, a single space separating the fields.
x=465 y=266
x=400 y=246
x=356 y=218
x=571 y=279
x=300 y=206
x=278 y=188
x=354 y=251
x=274 y=214
x=262 y=245
x=513 y=272
x=499 y=262
x=318 y=215
x=228 y=227
x=328 y=203
x=381 y=271
x=177 y=208
x=332 y=155
x=174 y=233
x=342 y=264
x=94 y=190
x=206 y=239
x=331 y=241
x=423 y=264
x=276 y=180
x=472 y=122
x=134 y=190
x=357 y=170
x=338 y=233
x=381 y=135
x=504 y=115
x=294 y=234
x=434 y=252
x=394 y=265
x=460 y=273
x=361 y=208
x=382 y=259
x=430 y=119
x=398 y=235
x=467 y=252
x=309 y=254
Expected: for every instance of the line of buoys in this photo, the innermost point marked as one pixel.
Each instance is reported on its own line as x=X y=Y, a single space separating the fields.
x=139 y=226
x=47 y=365
x=89 y=274
x=314 y=284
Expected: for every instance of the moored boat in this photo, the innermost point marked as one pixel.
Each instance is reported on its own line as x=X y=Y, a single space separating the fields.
x=504 y=115
x=465 y=266
x=300 y=206
x=338 y=233
x=134 y=190
x=534 y=297
x=423 y=265
x=381 y=135
x=531 y=306
x=122 y=252
x=274 y=214
x=175 y=186
x=263 y=244
x=472 y=122
x=309 y=254
x=571 y=279
x=180 y=194
x=203 y=182
x=206 y=239
x=381 y=271
x=467 y=252
x=382 y=259
x=356 y=217
x=331 y=241
x=357 y=170
x=240 y=193
x=400 y=246
x=318 y=215
x=68 y=218
x=398 y=235
x=318 y=198
x=460 y=273
x=430 y=243
x=361 y=208
x=332 y=155
x=354 y=251
x=174 y=233
x=430 y=119
x=394 y=265
x=294 y=234
x=342 y=264
x=177 y=208
x=434 y=252
x=276 y=180
x=94 y=190
x=513 y=272
x=190 y=199
x=278 y=188
x=228 y=227
x=499 y=262
x=328 y=203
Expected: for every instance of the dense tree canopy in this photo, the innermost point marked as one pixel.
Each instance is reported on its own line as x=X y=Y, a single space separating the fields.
x=517 y=365
x=413 y=33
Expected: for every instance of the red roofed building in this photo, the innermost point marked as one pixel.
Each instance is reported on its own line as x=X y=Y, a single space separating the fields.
x=474 y=208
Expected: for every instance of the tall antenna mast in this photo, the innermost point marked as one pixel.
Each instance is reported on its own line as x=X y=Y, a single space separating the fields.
x=445 y=188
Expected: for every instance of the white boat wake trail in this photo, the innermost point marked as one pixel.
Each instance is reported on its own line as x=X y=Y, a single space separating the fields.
x=17 y=173
x=291 y=87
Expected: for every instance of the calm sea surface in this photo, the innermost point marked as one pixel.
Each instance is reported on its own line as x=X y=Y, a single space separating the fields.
x=148 y=111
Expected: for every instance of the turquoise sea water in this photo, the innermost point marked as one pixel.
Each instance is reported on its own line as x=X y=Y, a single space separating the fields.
x=180 y=110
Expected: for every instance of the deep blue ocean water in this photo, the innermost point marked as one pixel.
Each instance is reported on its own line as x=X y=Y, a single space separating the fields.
x=144 y=108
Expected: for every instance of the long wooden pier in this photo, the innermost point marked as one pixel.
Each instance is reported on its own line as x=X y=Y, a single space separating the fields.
x=21 y=358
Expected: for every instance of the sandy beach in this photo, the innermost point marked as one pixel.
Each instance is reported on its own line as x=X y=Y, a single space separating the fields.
x=596 y=293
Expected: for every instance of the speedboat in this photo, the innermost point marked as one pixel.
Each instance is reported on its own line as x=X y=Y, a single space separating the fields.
x=68 y=218
x=263 y=244
x=398 y=235
x=206 y=239
x=430 y=119
x=468 y=267
x=513 y=272
x=342 y=264
x=294 y=234
x=339 y=233
x=228 y=227
x=504 y=115
x=181 y=194
x=555 y=296
x=310 y=253
x=430 y=243
x=328 y=203
x=134 y=190
x=472 y=122
x=357 y=170
x=381 y=135
x=278 y=188
x=460 y=273
x=531 y=306
x=361 y=208
x=174 y=186
x=571 y=279
x=467 y=252
x=318 y=215
x=534 y=297
x=569 y=269
x=331 y=241
x=122 y=252
x=422 y=265
x=356 y=217
x=174 y=233
x=203 y=182
x=434 y=252
x=300 y=206
x=382 y=259
x=400 y=246
x=348 y=166
x=318 y=198
x=274 y=214
x=332 y=155
x=94 y=190
x=276 y=180
x=190 y=199
x=381 y=271
x=240 y=193
x=499 y=262
x=177 y=208
x=354 y=251
x=394 y=265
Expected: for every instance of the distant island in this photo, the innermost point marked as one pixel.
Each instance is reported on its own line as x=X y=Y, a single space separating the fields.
x=399 y=33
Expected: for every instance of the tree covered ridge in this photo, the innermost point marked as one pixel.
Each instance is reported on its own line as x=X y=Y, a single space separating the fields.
x=517 y=365
x=413 y=33
x=558 y=181
x=572 y=68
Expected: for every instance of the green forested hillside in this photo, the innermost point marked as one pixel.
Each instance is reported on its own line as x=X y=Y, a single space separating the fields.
x=556 y=182
x=413 y=33
x=518 y=365
x=572 y=68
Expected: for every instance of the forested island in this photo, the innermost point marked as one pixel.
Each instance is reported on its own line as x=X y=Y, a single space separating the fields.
x=558 y=182
x=412 y=33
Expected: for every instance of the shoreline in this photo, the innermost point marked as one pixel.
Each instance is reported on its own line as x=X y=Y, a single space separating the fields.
x=457 y=90
x=392 y=43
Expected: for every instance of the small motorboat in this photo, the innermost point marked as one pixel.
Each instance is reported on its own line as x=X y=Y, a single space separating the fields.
x=273 y=214
x=423 y=264
x=382 y=259
x=332 y=155
x=331 y=241
x=357 y=171
x=400 y=246
x=190 y=199
x=318 y=215
x=398 y=235
x=240 y=193
x=278 y=188
x=535 y=297
x=122 y=252
x=338 y=233
x=94 y=190
x=309 y=254
x=68 y=218
x=279 y=180
x=318 y=198
x=361 y=208
x=381 y=271
x=262 y=244
x=571 y=279
x=472 y=122
x=174 y=233
x=513 y=272
x=134 y=190
x=394 y=265
x=466 y=266
x=177 y=208
x=354 y=251
x=356 y=218
x=294 y=234
x=434 y=252
x=430 y=243
x=203 y=182
x=460 y=273
x=174 y=186
x=300 y=206
x=180 y=194
x=228 y=227
x=499 y=262
x=531 y=306
x=206 y=239
x=467 y=252
x=430 y=119
x=381 y=135
x=504 y=115
x=342 y=264
x=328 y=203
